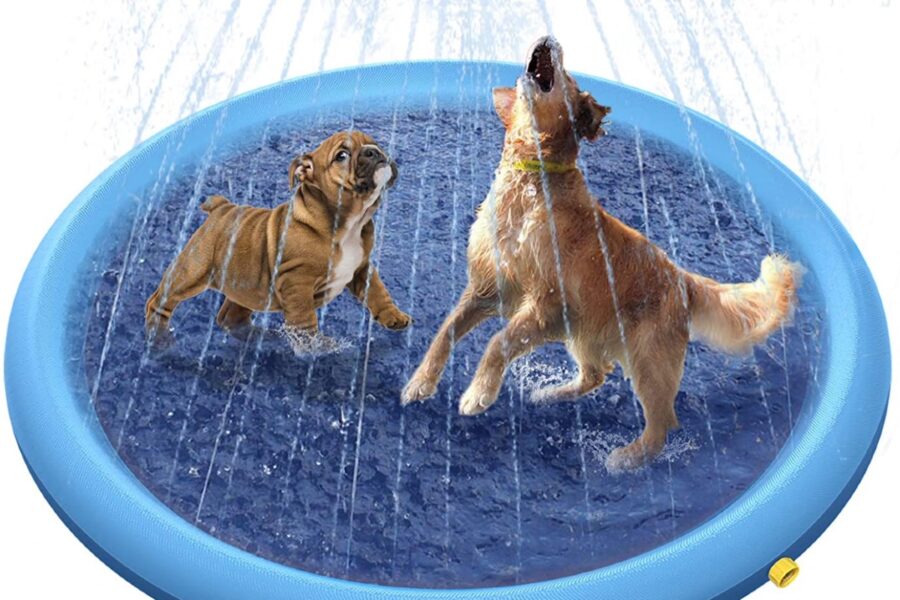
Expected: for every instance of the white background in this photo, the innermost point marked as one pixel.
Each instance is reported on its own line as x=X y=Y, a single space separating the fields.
x=78 y=80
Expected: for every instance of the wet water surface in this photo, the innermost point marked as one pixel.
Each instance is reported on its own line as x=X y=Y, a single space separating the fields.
x=310 y=461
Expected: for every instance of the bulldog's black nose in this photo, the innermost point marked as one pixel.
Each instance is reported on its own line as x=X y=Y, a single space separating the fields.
x=372 y=153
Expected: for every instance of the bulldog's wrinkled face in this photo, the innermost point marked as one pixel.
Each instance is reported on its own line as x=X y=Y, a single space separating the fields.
x=347 y=167
x=548 y=101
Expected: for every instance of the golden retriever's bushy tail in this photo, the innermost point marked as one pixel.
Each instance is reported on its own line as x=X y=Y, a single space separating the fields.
x=735 y=317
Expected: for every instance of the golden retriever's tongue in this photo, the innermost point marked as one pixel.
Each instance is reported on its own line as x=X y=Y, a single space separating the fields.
x=540 y=65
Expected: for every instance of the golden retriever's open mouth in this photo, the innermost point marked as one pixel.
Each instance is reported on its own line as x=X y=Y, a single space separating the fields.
x=541 y=68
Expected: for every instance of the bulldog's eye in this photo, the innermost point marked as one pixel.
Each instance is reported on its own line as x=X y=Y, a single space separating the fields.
x=341 y=156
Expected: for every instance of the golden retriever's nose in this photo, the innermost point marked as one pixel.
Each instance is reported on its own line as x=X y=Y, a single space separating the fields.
x=547 y=40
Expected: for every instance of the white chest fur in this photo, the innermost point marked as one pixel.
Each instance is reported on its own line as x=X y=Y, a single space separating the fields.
x=349 y=254
x=349 y=249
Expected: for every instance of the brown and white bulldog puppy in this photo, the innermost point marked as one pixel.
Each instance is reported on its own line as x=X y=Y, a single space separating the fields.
x=560 y=268
x=295 y=257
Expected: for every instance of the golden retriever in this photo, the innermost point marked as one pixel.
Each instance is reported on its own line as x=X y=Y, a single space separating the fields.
x=545 y=255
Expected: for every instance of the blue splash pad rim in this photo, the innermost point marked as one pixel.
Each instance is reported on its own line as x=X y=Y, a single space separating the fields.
x=800 y=493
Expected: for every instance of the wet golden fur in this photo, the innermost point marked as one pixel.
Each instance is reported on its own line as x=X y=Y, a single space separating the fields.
x=236 y=250
x=643 y=322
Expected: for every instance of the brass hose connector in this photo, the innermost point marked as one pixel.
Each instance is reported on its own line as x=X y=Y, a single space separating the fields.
x=784 y=572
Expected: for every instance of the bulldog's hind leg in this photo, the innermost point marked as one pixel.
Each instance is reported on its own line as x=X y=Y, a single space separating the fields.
x=235 y=319
x=656 y=365
x=187 y=276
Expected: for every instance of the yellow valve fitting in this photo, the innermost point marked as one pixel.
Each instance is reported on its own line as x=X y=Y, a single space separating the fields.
x=784 y=572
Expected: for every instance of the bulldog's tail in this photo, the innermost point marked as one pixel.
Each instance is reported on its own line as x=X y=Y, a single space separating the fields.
x=736 y=317
x=214 y=202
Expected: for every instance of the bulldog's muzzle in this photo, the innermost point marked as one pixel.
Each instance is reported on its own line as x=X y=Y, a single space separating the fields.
x=370 y=169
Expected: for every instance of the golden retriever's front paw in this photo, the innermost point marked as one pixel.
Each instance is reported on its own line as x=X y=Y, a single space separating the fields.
x=418 y=389
x=393 y=318
x=475 y=400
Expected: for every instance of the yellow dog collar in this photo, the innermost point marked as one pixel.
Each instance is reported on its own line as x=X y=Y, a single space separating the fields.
x=531 y=165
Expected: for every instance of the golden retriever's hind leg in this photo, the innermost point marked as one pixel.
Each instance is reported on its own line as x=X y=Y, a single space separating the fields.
x=656 y=377
x=589 y=378
x=235 y=319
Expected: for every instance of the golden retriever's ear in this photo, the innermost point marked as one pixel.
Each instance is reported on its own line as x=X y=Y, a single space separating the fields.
x=301 y=169
x=589 y=117
x=504 y=99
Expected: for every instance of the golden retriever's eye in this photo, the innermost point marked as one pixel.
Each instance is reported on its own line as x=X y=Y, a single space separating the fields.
x=341 y=156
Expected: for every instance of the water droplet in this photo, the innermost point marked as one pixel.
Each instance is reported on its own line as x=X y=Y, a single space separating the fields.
x=531 y=191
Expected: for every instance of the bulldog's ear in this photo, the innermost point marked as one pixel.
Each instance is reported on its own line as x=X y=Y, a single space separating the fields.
x=504 y=99
x=301 y=169
x=589 y=117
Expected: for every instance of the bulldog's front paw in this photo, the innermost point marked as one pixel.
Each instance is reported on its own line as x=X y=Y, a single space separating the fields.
x=418 y=389
x=393 y=318
x=243 y=332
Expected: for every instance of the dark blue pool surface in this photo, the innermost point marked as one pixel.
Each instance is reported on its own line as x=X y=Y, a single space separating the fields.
x=497 y=499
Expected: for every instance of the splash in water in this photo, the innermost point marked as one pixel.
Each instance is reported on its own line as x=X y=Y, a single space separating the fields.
x=313 y=343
